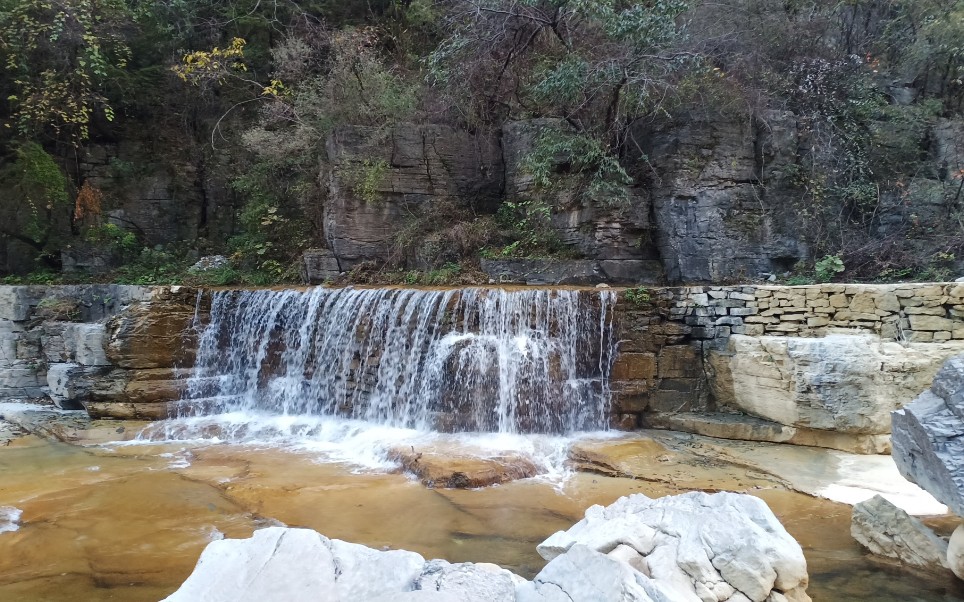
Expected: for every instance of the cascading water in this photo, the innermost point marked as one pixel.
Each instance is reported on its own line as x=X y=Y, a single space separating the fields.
x=489 y=360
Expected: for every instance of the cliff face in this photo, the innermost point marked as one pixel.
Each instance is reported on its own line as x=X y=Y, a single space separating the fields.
x=714 y=199
x=702 y=213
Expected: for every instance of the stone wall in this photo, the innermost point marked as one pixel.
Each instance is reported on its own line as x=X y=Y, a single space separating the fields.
x=818 y=365
x=52 y=339
x=116 y=351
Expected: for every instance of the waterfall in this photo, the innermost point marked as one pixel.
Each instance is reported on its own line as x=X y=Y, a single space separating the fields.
x=493 y=360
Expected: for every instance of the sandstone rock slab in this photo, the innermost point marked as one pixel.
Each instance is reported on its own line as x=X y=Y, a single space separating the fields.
x=841 y=383
x=452 y=468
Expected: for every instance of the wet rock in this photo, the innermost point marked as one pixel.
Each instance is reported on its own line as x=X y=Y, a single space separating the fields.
x=886 y=530
x=152 y=335
x=453 y=468
x=69 y=385
x=840 y=383
x=701 y=546
x=928 y=437
x=9 y=519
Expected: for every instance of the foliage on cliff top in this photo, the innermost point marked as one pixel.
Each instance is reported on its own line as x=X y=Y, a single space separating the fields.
x=867 y=78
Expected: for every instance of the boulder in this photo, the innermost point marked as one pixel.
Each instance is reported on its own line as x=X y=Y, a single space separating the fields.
x=468 y=582
x=886 y=530
x=585 y=575
x=848 y=384
x=928 y=437
x=689 y=548
x=955 y=552
x=296 y=564
x=703 y=547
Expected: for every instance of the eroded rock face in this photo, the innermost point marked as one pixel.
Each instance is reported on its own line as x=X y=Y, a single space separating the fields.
x=886 y=530
x=712 y=185
x=842 y=383
x=701 y=546
x=928 y=437
x=378 y=180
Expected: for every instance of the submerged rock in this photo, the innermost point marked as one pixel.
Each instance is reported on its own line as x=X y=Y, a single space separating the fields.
x=886 y=530
x=928 y=437
x=9 y=518
x=455 y=469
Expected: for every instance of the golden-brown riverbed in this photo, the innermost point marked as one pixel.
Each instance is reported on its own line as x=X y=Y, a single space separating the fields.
x=128 y=522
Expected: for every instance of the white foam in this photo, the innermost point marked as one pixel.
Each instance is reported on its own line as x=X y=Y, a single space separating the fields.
x=9 y=519
x=360 y=444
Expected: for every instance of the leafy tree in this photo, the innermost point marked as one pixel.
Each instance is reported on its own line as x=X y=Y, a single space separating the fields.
x=38 y=212
x=59 y=54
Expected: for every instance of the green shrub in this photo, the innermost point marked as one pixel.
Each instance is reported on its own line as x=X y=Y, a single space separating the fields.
x=828 y=267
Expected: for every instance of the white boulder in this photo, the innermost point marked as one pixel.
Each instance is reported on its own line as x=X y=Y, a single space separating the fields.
x=955 y=552
x=296 y=564
x=703 y=547
x=842 y=383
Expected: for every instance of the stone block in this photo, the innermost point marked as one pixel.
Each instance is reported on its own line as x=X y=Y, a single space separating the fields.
x=925 y=311
x=931 y=323
x=634 y=366
x=887 y=302
x=863 y=303
x=838 y=301
x=678 y=361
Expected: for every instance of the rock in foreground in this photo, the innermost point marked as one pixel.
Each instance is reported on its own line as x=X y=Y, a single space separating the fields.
x=700 y=546
x=886 y=530
x=688 y=548
x=928 y=437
